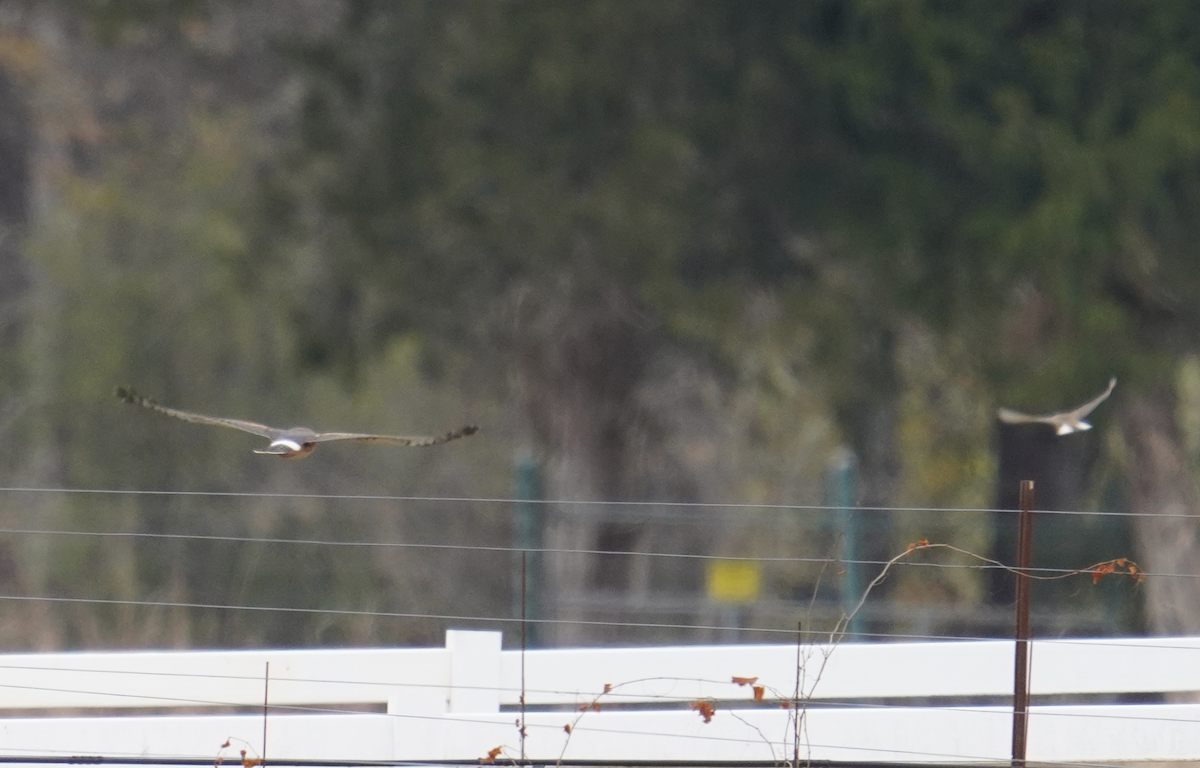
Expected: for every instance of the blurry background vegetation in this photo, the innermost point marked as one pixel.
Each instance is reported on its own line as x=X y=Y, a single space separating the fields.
x=682 y=251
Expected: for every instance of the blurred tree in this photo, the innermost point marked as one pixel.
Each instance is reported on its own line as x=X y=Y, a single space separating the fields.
x=141 y=152
x=15 y=139
x=949 y=162
x=581 y=173
x=601 y=198
x=1053 y=211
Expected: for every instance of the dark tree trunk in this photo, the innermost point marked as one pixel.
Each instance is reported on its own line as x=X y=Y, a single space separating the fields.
x=1161 y=488
x=581 y=367
x=1059 y=468
x=867 y=412
x=15 y=147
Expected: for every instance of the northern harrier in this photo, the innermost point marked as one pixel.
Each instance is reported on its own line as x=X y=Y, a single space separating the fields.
x=1065 y=423
x=294 y=443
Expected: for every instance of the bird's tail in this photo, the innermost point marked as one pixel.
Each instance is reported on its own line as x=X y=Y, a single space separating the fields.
x=132 y=396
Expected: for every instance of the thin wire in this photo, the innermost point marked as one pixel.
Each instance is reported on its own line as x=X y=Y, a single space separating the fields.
x=508 y=549
x=1088 y=642
x=565 y=762
x=124 y=758
x=374 y=614
x=986 y=710
x=680 y=703
x=568 y=502
x=542 y=550
x=118 y=756
x=757 y=741
x=476 y=548
x=482 y=619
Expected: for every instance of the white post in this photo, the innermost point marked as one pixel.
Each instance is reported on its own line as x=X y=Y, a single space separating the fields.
x=474 y=671
x=417 y=730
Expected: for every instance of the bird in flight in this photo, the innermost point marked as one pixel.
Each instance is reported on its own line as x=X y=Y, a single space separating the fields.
x=1064 y=423
x=294 y=443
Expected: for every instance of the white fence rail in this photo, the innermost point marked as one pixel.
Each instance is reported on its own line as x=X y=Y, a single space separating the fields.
x=461 y=701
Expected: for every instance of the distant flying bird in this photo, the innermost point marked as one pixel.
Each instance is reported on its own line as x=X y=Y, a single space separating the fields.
x=1065 y=423
x=294 y=443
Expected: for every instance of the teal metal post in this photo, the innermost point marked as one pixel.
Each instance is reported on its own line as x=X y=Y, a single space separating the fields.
x=840 y=487
x=528 y=528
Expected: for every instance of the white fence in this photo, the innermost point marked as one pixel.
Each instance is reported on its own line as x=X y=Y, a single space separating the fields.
x=462 y=702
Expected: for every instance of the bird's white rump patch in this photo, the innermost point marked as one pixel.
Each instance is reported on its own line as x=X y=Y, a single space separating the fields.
x=291 y=445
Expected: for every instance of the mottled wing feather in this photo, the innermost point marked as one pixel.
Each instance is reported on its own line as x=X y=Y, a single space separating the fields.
x=324 y=437
x=253 y=428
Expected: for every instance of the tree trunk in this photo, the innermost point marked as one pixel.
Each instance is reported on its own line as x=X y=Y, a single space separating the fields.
x=1059 y=467
x=580 y=368
x=1161 y=489
x=15 y=148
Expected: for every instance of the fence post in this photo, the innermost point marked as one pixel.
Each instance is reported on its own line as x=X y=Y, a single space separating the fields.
x=840 y=495
x=1021 y=665
x=529 y=525
x=474 y=670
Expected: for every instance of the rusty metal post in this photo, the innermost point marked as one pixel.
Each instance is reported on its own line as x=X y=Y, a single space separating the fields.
x=1021 y=678
x=524 y=643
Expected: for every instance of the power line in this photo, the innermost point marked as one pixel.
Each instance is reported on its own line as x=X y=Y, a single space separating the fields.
x=532 y=550
x=791 y=633
x=674 y=703
x=68 y=758
x=464 y=718
x=580 y=503
x=762 y=741
x=472 y=548
x=565 y=762
x=1147 y=643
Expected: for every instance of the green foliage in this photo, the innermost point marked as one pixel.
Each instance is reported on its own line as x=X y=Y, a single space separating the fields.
x=145 y=277
x=1019 y=177
x=952 y=151
x=112 y=20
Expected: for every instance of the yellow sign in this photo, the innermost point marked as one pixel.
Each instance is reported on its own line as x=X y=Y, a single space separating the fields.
x=732 y=581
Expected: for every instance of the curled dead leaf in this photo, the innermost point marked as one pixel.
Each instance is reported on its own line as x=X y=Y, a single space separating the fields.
x=704 y=708
x=1120 y=565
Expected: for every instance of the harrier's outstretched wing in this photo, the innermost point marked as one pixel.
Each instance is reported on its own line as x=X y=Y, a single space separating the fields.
x=1090 y=406
x=1066 y=422
x=262 y=430
x=1009 y=416
x=325 y=437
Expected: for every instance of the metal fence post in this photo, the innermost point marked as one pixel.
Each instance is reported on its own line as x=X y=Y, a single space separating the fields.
x=840 y=487
x=1021 y=666
x=529 y=526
